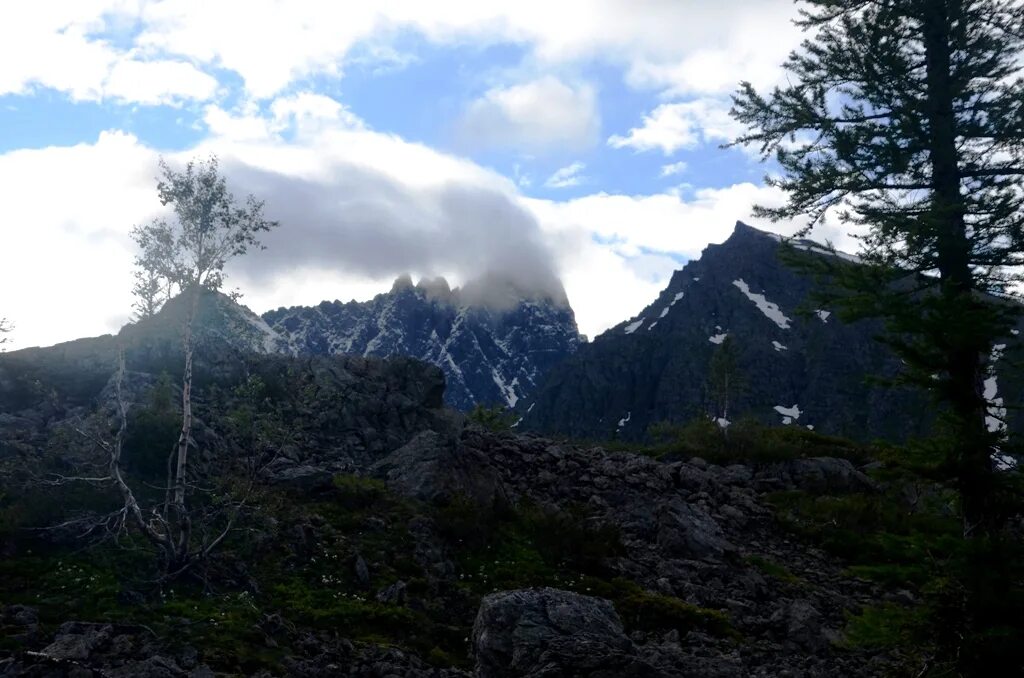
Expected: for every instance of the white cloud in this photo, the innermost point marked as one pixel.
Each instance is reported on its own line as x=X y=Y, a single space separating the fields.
x=55 y=45
x=673 y=46
x=65 y=255
x=567 y=176
x=158 y=82
x=673 y=169
x=358 y=208
x=675 y=126
x=541 y=115
x=305 y=113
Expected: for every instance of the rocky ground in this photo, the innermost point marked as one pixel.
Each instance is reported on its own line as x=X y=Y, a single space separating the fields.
x=397 y=538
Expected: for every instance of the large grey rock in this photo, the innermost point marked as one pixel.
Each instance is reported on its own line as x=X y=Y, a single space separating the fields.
x=435 y=467
x=78 y=640
x=686 y=531
x=801 y=623
x=549 y=632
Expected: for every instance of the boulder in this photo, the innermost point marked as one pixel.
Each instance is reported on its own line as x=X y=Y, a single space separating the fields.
x=436 y=468
x=549 y=632
x=78 y=640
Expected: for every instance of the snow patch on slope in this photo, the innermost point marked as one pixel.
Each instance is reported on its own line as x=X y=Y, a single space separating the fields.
x=789 y=414
x=769 y=309
x=508 y=391
x=995 y=419
x=809 y=246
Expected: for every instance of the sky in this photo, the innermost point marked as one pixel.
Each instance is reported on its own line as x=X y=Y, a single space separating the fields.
x=571 y=145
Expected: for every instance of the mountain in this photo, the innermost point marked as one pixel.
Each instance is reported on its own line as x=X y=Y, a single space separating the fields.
x=799 y=365
x=492 y=342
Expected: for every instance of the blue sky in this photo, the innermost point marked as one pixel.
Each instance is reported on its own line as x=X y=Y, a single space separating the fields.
x=576 y=141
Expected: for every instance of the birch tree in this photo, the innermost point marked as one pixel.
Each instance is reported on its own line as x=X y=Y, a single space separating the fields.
x=188 y=251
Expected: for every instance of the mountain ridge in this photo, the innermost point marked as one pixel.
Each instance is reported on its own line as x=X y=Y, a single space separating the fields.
x=801 y=364
x=490 y=353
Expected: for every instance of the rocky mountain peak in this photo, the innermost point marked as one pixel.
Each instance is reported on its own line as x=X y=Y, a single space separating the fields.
x=796 y=364
x=492 y=340
x=435 y=288
x=492 y=352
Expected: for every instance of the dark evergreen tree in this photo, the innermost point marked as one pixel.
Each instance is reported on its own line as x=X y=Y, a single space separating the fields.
x=906 y=119
x=724 y=379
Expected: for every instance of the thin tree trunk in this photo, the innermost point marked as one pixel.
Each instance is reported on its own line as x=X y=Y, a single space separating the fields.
x=185 y=437
x=965 y=350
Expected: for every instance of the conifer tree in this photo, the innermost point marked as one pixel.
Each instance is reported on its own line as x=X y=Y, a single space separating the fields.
x=905 y=118
x=724 y=380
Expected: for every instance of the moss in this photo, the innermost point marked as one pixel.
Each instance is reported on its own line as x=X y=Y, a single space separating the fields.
x=884 y=626
x=530 y=546
x=351 y=612
x=358 y=492
x=441 y=659
x=773 y=569
x=642 y=610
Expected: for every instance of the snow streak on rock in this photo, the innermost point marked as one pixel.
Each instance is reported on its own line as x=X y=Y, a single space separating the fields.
x=770 y=310
x=994 y=420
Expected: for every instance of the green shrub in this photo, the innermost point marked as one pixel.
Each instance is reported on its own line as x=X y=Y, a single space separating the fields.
x=748 y=441
x=642 y=610
x=773 y=569
x=496 y=418
x=884 y=626
x=358 y=492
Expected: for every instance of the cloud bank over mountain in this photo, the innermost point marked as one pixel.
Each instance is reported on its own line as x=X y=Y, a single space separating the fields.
x=534 y=146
